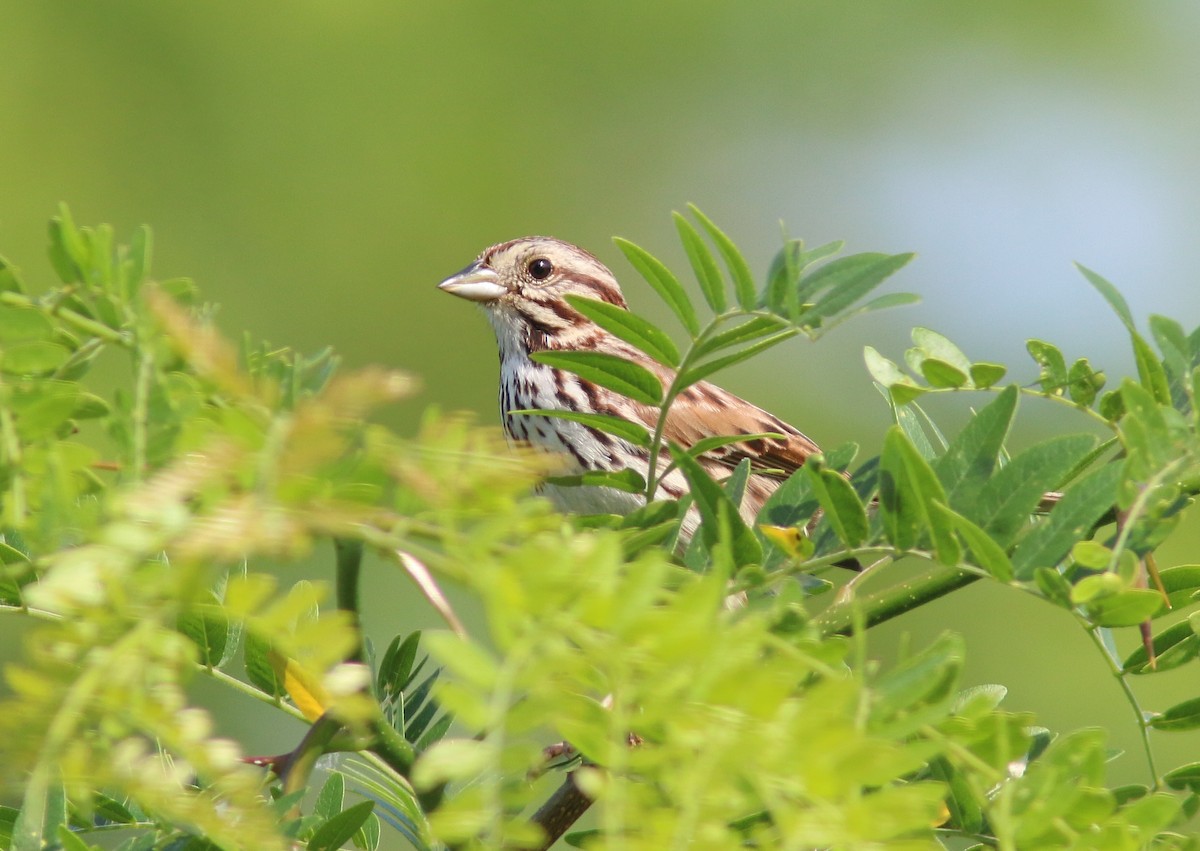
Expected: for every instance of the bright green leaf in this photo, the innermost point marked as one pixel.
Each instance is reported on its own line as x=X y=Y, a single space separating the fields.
x=1081 y=506
x=975 y=452
x=704 y=265
x=662 y=281
x=848 y=279
x=710 y=498
x=1127 y=608
x=984 y=375
x=624 y=429
x=1174 y=646
x=341 y=828
x=843 y=509
x=33 y=358
x=629 y=327
x=1013 y=492
x=703 y=370
x=617 y=374
x=1181 y=716
x=941 y=374
x=739 y=269
x=907 y=493
x=24 y=325
x=628 y=480
x=1053 y=376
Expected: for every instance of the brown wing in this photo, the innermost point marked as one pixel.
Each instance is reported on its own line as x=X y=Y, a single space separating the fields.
x=705 y=410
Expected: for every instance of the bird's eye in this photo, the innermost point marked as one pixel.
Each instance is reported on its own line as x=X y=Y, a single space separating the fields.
x=540 y=269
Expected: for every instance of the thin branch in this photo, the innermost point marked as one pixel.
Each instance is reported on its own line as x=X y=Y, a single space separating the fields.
x=349 y=555
x=561 y=810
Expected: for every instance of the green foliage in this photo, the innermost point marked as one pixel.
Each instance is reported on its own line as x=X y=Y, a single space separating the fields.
x=712 y=695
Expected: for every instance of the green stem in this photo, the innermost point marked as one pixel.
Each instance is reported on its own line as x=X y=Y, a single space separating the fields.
x=895 y=600
x=677 y=386
x=312 y=747
x=1114 y=666
x=140 y=415
x=349 y=567
x=10 y=451
x=70 y=317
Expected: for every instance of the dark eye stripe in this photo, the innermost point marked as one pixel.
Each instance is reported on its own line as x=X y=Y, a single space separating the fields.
x=601 y=289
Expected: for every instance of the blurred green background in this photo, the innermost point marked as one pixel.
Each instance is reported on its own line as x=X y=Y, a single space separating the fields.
x=317 y=167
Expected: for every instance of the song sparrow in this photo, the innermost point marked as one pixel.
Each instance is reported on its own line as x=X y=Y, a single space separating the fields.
x=521 y=286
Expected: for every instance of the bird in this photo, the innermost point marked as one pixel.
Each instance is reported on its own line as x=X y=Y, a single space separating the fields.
x=522 y=287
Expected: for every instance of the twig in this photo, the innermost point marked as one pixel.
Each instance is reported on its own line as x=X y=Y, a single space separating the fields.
x=561 y=810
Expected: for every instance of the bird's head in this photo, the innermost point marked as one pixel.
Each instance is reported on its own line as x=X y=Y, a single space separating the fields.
x=533 y=272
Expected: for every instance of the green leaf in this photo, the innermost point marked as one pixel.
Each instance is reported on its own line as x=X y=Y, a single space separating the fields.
x=739 y=269
x=33 y=358
x=209 y=630
x=703 y=370
x=938 y=347
x=1150 y=370
x=1185 y=777
x=901 y=388
x=23 y=325
x=1111 y=294
x=10 y=282
x=624 y=429
x=629 y=327
x=43 y=811
x=259 y=670
x=468 y=660
x=1011 y=495
x=1083 y=382
x=1053 y=587
x=919 y=688
x=329 y=799
x=1174 y=646
x=627 y=480
x=367 y=837
x=68 y=255
x=985 y=552
x=69 y=840
x=89 y=406
x=1181 y=716
x=1081 y=506
x=883 y=302
x=843 y=509
x=1181 y=583
x=908 y=491
x=1176 y=351
x=848 y=279
x=664 y=283
x=1053 y=376
x=965 y=812
x=751 y=329
x=396 y=668
x=1112 y=406
x=783 y=278
x=717 y=510
x=984 y=375
x=617 y=374
x=341 y=828
x=1126 y=608
x=975 y=452
x=941 y=374
x=704 y=265
x=141 y=252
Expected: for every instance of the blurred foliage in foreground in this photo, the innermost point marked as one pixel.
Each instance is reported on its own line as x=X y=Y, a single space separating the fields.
x=135 y=526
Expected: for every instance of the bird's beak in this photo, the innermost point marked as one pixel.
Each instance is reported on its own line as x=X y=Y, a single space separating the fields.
x=476 y=283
